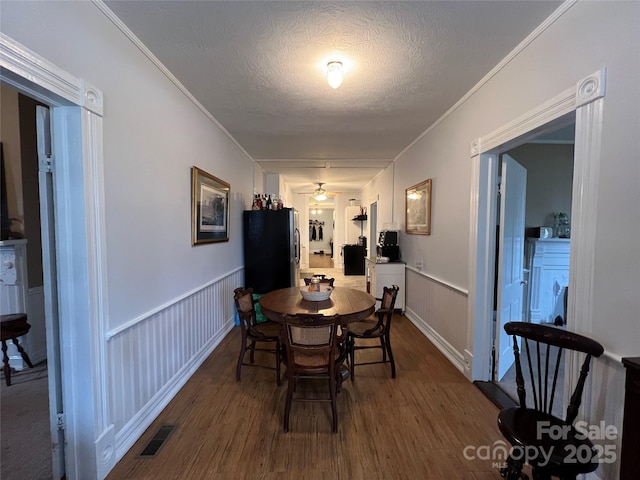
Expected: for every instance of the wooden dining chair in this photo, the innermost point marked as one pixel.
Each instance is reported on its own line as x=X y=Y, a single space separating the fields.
x=253 y=333
x=532 y=429
x=307 y=281
x=312 y=353
x=12 y=326
x=376 y=327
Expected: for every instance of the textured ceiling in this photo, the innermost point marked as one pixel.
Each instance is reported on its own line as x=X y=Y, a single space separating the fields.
x=258 y=68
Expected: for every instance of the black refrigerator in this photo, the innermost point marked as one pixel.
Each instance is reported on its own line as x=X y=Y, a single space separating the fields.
x=271 y=249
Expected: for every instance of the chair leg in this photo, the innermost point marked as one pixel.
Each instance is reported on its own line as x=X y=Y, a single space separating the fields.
x=352 y=357
x=513 y=470
x=334 y=403
x=287 y=406
x=23 y=354
x=383 y=346
x=6 y=367
x=243 y=349
x=341 y=375
x=538 y=475
x=391 y=360
x=253 y=351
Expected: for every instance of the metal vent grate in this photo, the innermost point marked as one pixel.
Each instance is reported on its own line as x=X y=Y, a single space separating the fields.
x=151 y=450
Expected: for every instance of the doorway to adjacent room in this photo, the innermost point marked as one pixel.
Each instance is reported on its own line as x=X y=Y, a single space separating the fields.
x=321 y=237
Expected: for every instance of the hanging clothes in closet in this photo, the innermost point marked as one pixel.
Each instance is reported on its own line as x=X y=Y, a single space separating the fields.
x=320 y=232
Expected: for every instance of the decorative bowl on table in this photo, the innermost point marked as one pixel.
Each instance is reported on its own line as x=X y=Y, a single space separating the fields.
x=316 y=296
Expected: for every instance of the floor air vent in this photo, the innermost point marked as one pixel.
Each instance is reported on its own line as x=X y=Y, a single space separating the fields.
x=152 y=448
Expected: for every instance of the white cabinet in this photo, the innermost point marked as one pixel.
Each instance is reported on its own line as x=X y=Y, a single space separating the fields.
x=548 y=263
x=13 y=276
x=384 y=275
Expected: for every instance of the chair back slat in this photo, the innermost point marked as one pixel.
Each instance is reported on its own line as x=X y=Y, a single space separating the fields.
x=243 y=299
x=385 y=313
x=531 y=375
x=555 y=379
x=389 y=296
x=308 y=334
x=543 y=371
x=522 y=394
x=546 y=376
x=322 y=279
x=576 y=397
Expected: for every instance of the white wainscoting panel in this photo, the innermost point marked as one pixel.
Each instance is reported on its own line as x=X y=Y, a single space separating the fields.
x=150 y=361
x=440 y=313
x=603 y=405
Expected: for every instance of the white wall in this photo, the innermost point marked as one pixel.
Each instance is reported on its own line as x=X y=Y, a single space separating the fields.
x=549 y=181
x=380 y=190
x=10 y=137
x=169 y=303
x=543 y=70
x=152 y=136
x=586 y=38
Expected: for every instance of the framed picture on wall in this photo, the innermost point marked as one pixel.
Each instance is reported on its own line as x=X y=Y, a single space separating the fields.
x=209 y=208
x=418 y=208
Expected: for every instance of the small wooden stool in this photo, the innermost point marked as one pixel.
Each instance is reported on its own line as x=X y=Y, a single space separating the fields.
x=11 y=327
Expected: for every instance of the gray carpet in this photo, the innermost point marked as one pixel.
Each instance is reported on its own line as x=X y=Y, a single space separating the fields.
x=25 y=435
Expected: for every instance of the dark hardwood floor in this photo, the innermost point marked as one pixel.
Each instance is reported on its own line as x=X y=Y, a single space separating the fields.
x=415 y=426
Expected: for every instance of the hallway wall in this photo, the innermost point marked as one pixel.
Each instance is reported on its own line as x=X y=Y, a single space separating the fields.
x=540 y=71
x=169 y=303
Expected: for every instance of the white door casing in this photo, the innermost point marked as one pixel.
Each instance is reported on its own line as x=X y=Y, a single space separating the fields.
x=586 y=99
x=76 y=109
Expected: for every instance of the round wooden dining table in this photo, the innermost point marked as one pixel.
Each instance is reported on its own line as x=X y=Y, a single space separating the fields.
x=352 y=305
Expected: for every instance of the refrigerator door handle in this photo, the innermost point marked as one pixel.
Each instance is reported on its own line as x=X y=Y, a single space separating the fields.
x=296 y=243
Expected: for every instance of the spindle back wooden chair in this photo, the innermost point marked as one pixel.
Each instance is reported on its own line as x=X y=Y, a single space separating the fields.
x=533 y=430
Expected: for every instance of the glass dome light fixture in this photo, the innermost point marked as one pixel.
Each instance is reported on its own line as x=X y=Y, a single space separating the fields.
x=319 y=194
x=335 y=75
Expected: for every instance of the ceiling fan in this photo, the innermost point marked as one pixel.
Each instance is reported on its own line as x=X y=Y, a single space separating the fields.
x=320 y=194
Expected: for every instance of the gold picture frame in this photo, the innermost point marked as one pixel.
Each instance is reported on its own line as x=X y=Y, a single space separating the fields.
x=209 y=208
x=418 y=208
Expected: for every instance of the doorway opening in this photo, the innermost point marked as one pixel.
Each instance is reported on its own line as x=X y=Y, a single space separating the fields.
x=321 y=233
x=532 y=260
x=32 y=404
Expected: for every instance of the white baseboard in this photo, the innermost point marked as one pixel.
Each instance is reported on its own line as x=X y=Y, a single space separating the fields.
x=455 y=357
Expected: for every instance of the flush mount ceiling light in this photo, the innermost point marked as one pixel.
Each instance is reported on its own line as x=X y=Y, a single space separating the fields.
x=335 y=74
